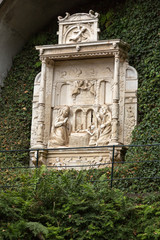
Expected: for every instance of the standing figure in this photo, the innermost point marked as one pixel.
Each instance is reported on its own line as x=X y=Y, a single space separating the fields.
x=61 y=130
x=104 y=121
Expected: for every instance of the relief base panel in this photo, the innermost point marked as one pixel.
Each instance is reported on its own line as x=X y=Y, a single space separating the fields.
x=79 y=159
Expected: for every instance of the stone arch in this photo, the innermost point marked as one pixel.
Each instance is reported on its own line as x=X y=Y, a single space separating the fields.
x=64 y=94
x=131 y=73
x=131 y=79
x=79 y=123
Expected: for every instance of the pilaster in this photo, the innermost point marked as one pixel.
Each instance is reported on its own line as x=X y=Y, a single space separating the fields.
x=115 y=106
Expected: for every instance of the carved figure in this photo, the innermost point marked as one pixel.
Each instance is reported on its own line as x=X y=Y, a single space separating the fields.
x=83 y=85
x=93 y=132
x=78 y=34
x=61 y=130
x=104 y=120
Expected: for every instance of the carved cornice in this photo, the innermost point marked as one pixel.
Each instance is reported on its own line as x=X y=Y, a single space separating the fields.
x=76 y=55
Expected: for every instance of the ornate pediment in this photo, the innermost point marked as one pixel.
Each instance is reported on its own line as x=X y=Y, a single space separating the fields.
x=79 y=27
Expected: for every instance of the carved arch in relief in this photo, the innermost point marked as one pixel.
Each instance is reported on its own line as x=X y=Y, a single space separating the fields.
x=131 y=79
x=131 y=72
x=79 y=117
x=64 y=94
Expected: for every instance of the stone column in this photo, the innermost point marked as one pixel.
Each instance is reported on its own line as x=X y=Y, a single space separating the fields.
x=115 y=106
x=41 y=108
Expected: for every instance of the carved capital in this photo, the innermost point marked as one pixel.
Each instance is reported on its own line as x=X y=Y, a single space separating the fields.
x=117 y=56
x=43 y=59
x=49 y=62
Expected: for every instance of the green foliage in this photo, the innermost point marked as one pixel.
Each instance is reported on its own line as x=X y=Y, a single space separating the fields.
x=67 y=205
x=36 y=228
x=137 y=23
x=16 y=101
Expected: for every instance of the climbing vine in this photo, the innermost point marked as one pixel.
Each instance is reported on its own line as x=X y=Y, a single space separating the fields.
x=137 y=23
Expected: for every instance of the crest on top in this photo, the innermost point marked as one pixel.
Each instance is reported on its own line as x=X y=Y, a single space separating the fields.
x=79 y=27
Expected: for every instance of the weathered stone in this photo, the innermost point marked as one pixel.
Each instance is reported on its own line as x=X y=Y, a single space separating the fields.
x=85 y=94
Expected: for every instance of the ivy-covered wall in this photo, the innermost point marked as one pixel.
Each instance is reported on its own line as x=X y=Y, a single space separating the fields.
x=135 y=21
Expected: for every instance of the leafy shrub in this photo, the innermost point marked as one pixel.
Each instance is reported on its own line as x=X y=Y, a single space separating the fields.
x=66 y=205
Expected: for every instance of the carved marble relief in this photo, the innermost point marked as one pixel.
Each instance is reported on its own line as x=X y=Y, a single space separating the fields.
x=78 y=33
x=81 y=87
x=85 y=95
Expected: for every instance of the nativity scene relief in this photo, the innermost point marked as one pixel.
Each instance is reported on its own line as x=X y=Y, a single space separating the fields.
x=84 y=95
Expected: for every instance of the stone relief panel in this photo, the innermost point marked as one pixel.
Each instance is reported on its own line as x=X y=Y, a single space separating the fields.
x=95 y=130
x=84 y=96
x=83 y=80
x=80 y=86
x=69 y=163
x=83 y=69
